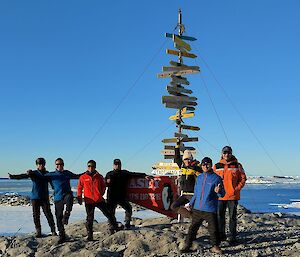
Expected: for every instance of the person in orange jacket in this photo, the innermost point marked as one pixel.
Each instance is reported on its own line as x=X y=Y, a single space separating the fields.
x=234 y=179
x=93 y=185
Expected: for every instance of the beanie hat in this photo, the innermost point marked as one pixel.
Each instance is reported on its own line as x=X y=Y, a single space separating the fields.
x=227 y=149
x=206 y=160
x=40 y=160
x=117 y=162
x=187 y=155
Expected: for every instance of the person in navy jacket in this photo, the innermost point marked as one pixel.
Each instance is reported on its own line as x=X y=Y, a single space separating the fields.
x=39 y=197
x=63 y=194
x=208 y=188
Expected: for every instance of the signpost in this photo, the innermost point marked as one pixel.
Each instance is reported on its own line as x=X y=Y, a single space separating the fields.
x=179 y=97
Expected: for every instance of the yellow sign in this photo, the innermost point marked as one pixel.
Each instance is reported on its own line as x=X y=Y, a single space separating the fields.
x=181 y=43
x=183 y=115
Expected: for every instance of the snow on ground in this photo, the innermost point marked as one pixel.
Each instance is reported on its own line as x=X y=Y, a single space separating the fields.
x=18 y=219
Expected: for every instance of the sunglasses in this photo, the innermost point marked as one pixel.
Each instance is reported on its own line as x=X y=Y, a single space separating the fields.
x=59 y=164
x=205 y=164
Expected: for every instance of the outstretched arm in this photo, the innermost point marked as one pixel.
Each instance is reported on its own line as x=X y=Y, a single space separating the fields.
x=72 y=175
x=18 y=176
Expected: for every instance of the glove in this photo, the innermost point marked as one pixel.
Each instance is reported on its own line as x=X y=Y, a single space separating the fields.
x=29 y=172
x=79 y=200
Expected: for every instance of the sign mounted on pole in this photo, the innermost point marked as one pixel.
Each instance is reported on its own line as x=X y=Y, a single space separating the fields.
x=181 y=43
x=190 y=127
x=179 y=90
x=179 y=80
x=177 y=73
x=169 y=35
x=174 y=52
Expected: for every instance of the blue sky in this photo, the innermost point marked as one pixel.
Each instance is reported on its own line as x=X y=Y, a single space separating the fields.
x=78 y=81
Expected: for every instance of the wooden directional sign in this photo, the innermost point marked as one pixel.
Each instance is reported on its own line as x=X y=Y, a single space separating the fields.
x=169 y=35
x=179 y=99
x=179 y=80
x=184 y=115
x=190 y=127
x=172 y=147
x=169 y=157
x=180 y=68
x=179 y=90
x=189 y=148
x=176 y=93
x=172 y=152
x=176 y=64
x=184 y=54
x=177 y=73
x=180 y=48
x=181 y=43
x=178 y=106
x=180 y=135
x=190 y=139
x=169 y=140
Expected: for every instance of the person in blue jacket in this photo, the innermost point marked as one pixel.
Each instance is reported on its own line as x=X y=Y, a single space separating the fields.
x=208 y=188
x=39 y=197
x=63 y=194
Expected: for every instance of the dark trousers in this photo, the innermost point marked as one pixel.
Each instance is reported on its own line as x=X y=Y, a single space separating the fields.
x=112 y=203
x=182 y=200
x=59 y=210
x=232 y=209
x=102 y=206
x=197 y=218
x=36 y=213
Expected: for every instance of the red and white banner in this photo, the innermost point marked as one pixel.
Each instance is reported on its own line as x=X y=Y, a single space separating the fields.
x=156 y=194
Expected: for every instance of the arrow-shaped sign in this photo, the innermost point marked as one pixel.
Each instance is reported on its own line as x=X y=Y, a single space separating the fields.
x=190 y=127
x=179 y=90
x=179 y=80
x=184 y=54
x=169 y=35
x=178 y=41
x=190 y=139
x=169 y=140
x=178 y=99
x=184 y=115
x=176 y=73
x=173 y=105
x=180 y=68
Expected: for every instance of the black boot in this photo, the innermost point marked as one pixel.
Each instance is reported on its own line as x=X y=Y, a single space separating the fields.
x=186 y=248
x=38 y=233
x=62 y=237
x=53 y=231
x=90 y=236
x=66 y=217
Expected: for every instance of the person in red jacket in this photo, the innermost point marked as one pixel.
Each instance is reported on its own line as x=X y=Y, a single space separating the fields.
x=93 y=185
x=234 y=179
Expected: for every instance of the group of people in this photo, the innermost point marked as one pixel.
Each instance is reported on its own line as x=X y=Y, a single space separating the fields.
x=206 y=191
x=91 y=186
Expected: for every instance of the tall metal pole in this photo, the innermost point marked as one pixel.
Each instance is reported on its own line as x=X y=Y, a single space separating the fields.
x=180 y=60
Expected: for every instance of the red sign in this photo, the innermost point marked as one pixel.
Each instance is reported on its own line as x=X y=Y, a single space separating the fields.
x=156 y=194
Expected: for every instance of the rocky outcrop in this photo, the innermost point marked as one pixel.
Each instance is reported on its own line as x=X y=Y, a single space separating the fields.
x=259 y=234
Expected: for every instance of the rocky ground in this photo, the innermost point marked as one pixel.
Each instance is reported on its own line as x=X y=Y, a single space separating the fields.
x=272 y=234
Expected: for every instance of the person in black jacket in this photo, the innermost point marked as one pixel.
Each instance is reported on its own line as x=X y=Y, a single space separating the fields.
x=39 y=196
x=117 y=182
x=190 y=169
